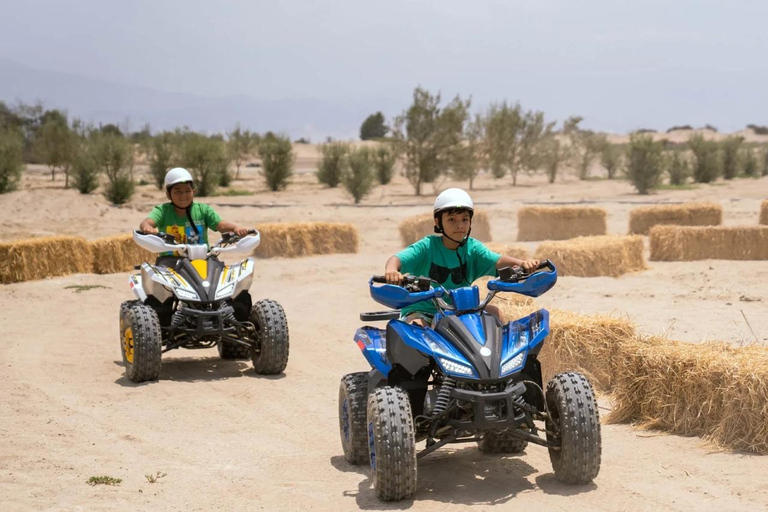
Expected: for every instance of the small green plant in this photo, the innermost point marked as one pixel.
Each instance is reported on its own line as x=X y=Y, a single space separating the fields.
x=11 y=159
x=644 y=162
x=240 y=144
x=384 y=162
x=748 y=162
x=358 y=178
x=373 y=127
x=113 y=154
x=731 y=162
x=677 y=167
x=85 y=170
x=277 y=159
x=333 y=163
x=707 y=163
x=84 y=287
x=103 y=480
x=154 y=478
x=162 y=151
x=610 y=157
x=206 y=158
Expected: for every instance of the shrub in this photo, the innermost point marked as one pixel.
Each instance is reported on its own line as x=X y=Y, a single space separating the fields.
x=55 y=145
x=710 y=128
x=706 y=166
x=373 y=127
x=553 y=153
x=758 y=129
x=277 y=159
x=206 y=158
x=677 y=167
x=681 y=127
x=384 y=163
x=611 y=159
x=240 y=144
x=333 y=163
x=749 y=162
x=730 y=150
x=644 y=162
x=162 y=152
x=11 y=159
x=641 y=131
x=358 y=177
x=113 y=155
x=85 y=170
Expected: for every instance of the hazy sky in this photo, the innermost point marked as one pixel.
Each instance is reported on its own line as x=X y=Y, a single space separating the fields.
x=620 y=64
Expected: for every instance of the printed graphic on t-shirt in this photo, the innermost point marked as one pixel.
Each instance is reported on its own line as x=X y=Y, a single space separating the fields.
x=441 y=274
x=185 y=234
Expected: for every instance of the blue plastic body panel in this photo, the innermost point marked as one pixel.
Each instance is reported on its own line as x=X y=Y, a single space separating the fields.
x=397 y=297
x=536 y=285
x=465 y=298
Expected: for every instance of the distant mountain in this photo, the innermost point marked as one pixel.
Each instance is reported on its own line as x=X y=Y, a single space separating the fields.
x=103 y=101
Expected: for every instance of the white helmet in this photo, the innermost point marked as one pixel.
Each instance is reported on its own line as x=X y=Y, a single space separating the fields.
x=177 y=175
x=453 y=198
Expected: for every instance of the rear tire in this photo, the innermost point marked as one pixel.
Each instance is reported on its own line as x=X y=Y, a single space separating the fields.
x=573 y=408
x=233 y=351
x=353 y=399
x=391 y=444
x=270 y=356
x=141 y=342
x=495 y=442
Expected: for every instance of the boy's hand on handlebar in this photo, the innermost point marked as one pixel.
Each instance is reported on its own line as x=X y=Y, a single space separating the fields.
x=393 y=277
x=530 y=265
x=240 y=231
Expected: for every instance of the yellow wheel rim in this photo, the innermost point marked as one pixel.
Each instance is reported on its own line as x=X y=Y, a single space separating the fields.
x=128 y=345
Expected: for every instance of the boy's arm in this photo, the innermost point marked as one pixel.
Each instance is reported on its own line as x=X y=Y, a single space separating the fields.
x=225 y=226
x=508 y=261
x=148 y=226
x=392 y=270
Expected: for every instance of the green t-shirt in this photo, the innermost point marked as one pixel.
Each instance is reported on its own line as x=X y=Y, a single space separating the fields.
x=167 y=220
x=429 y=257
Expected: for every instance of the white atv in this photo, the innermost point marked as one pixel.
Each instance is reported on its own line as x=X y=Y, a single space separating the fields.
x=193 y=300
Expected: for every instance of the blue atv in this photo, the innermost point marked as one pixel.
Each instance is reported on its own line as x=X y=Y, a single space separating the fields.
x=465 y=378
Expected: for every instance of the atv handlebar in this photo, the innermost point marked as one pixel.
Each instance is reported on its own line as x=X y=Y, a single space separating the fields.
x=410 y=283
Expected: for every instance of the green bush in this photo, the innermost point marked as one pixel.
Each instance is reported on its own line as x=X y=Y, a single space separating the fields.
x=758 y=129
x=333 y=163
x=162 y=151
x=707 y=163
x=85 y=170
x=113 y=154
x=748 y=162
x=56 y=145
x=373 y=127
x=358 y=177
x=277 y=160
x=206 y=158
x=553 y=153
x=240 y=145
x=681 y=127
x=610 y=157
x=730 y=150
x=384 y=163
x=11 y=159
x=677 y=167
x=644 y=162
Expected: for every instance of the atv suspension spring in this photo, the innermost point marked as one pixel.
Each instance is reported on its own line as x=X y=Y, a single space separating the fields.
x=177 y=319
x=443 y=397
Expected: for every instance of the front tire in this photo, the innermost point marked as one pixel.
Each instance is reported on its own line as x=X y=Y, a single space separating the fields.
x=573 y=409
x=391 y=444
x=353 y=399
x=141 y=342
x=270 y=356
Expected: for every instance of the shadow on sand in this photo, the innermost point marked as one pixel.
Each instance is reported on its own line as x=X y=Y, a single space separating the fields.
x=205 y=369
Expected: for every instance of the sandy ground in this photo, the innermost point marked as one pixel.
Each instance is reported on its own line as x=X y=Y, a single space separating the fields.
x=228 y=439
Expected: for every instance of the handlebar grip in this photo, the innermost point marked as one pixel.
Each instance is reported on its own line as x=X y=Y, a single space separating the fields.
x=546 y=264
x=379 y=279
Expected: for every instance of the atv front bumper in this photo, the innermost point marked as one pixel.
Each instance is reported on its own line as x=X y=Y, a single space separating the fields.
x=492 y=410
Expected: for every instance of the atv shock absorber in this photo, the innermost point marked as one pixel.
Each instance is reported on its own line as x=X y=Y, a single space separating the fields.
x=443 y=397
x=177 y=318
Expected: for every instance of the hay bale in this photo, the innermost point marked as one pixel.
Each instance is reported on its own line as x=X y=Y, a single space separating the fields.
x=588 y=344
x=515 y=251
x=559 y=223
x=117 y=254
x=289 y=240
x=415 y=228
x=38 y=258
x=642 y=219
x=764 y=213
x=682 y=243
x=595 y=256
x=713 y=390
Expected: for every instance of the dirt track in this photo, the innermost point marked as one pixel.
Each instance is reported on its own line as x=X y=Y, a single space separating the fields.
x=231 y=440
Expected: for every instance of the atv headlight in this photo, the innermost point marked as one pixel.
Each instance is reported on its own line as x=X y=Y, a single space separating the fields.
x=185 y=294
x=455 y=367
x=225 y=291
x=513 y=364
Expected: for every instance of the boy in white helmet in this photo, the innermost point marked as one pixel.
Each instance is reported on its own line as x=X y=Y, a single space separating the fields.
x=183 y=218
x=451 y=258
